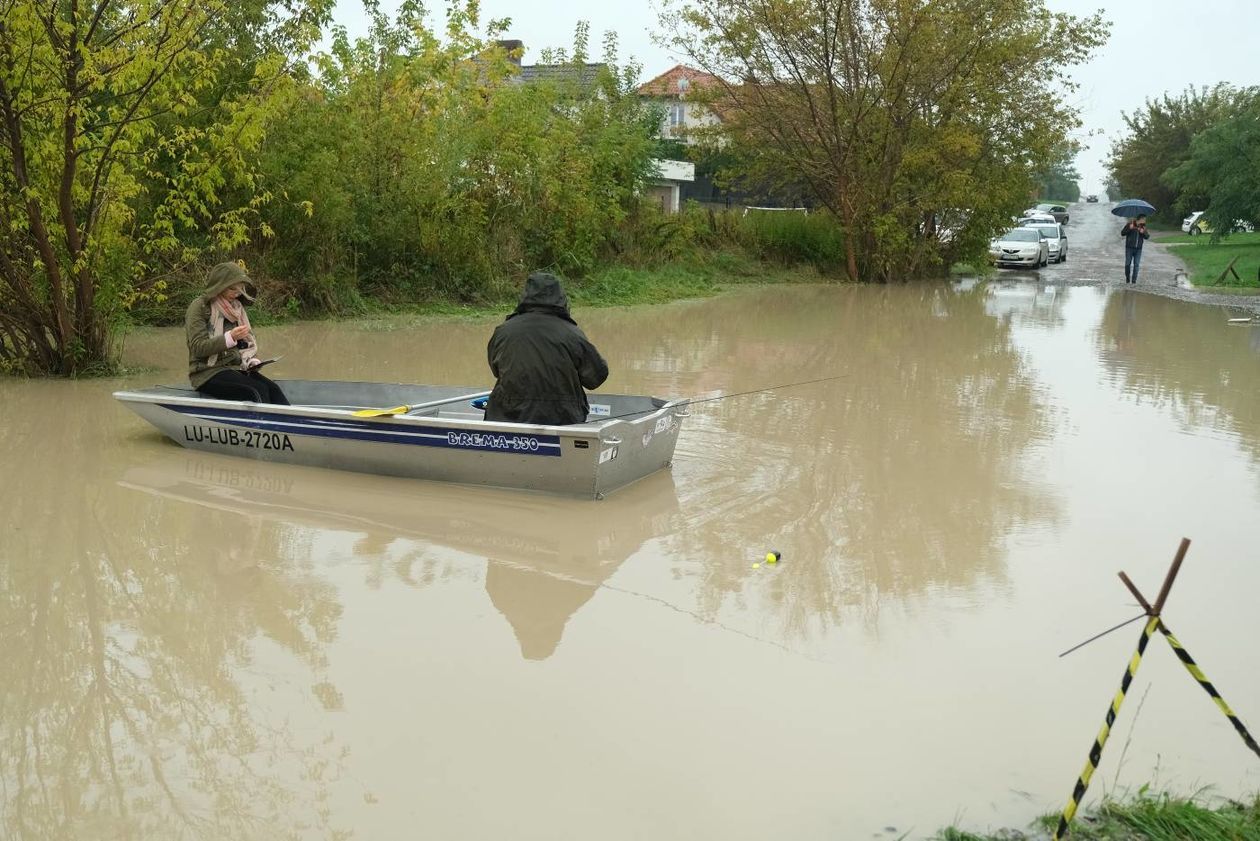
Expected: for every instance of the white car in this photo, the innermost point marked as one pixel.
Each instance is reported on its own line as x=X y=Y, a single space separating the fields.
x=1020 y=247
x=1058 y=211
x=1035 y=219
x=1056 y=239
x=1195 y=224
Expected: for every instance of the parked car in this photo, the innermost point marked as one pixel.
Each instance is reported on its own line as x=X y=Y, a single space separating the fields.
x=1195 y=224
x=1020 y=247
x=1091 y=198
x=1056 y=239
x=947 y=224
x=1058 y=211
x=1035 y=219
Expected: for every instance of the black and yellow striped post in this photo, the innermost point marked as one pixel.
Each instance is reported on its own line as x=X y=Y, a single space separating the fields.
x=1095 y=752
x=1178 y=649
x=1197 y=673
x=1153 y=623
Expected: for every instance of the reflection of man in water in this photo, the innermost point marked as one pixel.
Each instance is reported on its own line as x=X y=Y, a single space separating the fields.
x=542 y=360
x=537 y=605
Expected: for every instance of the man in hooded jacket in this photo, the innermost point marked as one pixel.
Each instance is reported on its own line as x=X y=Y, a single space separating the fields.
x=542 y=360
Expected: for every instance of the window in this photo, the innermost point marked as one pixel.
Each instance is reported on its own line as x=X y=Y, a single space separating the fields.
x=683 y=84
x=1023 y=235
x=677 y=115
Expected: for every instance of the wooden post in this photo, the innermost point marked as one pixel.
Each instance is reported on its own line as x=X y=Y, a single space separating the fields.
x=1137 y=594
x=1171 y=576
x=1229 y=270
x=1158 y=607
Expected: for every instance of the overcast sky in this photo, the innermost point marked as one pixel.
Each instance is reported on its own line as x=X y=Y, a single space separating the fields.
x=1156 y=46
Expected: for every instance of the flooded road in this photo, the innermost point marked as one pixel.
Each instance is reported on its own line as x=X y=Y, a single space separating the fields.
x=199 y=646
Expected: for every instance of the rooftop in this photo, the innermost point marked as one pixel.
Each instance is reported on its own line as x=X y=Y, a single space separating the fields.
x=585 y=75
x=677 y=81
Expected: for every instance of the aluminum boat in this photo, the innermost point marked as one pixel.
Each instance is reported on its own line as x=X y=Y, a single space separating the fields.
x=439 y=435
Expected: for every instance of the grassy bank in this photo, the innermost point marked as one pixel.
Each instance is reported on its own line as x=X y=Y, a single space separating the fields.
x=698 y=276
x=1206 y=260
x=1146 y=817
x=653 y=258
x=693 y=278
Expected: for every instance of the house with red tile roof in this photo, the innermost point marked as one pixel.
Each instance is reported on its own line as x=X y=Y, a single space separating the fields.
x=672 y=89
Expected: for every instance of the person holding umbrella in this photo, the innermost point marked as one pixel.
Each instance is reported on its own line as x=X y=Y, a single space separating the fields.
x=1134 y=234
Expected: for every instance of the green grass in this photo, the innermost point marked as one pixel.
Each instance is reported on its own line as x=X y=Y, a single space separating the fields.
x=1146 y=817
x=614 y=286
x=694 y=278
x=623 y=286
x=1206 y=260
x=1178 y=238
x=814 y=238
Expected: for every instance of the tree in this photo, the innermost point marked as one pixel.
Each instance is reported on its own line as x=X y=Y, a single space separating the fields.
x=1224 y=166
x=430 y=170
x=1114 y=193
x=1060 y=180
x=1158 y=139
x=891 y=111
x=121 y=125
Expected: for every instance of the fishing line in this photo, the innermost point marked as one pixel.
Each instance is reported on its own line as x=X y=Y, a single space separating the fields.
x=1103 y=634
x=687 y=403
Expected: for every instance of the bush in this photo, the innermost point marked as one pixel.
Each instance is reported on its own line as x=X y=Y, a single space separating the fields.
x=793 y=237
x=414 y=168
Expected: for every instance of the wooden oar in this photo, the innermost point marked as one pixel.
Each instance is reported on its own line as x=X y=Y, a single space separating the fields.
x=406 y=410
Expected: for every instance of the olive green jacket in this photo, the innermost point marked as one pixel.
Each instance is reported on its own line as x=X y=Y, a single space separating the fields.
x=203 y=343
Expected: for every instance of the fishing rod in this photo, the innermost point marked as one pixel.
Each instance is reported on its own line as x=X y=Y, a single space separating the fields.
x=1104 y=633
x=688 y=403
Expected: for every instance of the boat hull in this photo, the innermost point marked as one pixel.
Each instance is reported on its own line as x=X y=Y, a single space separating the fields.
x=447 y=442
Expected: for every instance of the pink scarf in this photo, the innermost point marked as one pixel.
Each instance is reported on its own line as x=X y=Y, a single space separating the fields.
x=228 y=309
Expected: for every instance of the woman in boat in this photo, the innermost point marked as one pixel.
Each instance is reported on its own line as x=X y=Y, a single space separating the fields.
x=542 y=360
x=222 y=349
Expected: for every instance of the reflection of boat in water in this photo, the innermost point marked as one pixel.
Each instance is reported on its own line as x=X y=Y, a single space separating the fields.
x=435 y=434
x=546 y=556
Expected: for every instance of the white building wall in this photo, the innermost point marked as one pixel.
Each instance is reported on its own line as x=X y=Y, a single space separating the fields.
x=667 y=185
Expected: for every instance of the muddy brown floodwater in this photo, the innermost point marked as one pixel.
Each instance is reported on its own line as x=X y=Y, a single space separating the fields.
x=198 y=646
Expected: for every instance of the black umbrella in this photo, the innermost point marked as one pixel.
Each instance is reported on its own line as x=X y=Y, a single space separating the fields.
x=1133 y=207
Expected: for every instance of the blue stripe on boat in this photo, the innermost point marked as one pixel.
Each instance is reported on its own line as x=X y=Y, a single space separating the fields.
x=381 y=432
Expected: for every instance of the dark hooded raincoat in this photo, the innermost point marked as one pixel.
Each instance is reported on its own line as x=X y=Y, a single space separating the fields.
x=542 y=360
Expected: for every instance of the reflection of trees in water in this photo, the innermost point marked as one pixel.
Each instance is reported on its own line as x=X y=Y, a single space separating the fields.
x=126 y=622
x=1185 y=358
x=902 y=476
